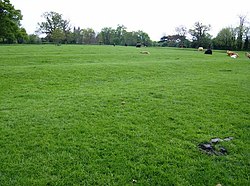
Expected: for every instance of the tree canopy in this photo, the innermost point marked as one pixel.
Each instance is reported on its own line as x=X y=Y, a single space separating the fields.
x=200 y=34
x=58 y=30
x=10 y=27
x=225 y=39
x=53 y=25
x=234 y=38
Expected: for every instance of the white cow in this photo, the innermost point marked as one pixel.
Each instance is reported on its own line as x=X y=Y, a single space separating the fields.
x=200 y=49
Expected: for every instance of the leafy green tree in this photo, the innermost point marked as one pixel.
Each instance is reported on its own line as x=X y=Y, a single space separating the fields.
x=34 y=39
x=134 y=37
x=22 y=36
x=246 y=35
x=58 y=36
x=173 y=41
x=131 y=38
x=225 y=39
x=107 y=35
x=54 y=21
x=143 y=38
x=9 y=22
x=246 y=43
x=89 y=36
x=200 y=35
x=77 y=37
x=119 y=35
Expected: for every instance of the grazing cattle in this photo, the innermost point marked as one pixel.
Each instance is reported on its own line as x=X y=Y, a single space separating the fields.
x=138 y=45
x=144 y=52
x=208 y=51
x=247 y=55
x=232 y=54
x=200 y=49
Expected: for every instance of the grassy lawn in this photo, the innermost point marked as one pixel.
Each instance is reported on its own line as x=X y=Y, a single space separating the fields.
x=104 y=115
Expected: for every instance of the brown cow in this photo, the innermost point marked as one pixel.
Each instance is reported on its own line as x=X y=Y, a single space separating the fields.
x=232 y=54
x=144 y=52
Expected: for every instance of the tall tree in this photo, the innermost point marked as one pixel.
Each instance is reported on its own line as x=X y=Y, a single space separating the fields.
x=200 y=35
x=240 y=29
x=34 y=39
x=173 y=41
x=58 y=36
x=53 y=21
x=107 y=36
x=88 y=35
x=143 y=38
x=9 y=21
x=130 y=38
x=181 y=30
x=22 y=36
x=225 y=39
x=77 y=37
x=246 y=35
x=66 y=30
x=119 y=35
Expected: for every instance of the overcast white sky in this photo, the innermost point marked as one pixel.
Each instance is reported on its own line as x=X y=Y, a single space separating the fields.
x=155 y=17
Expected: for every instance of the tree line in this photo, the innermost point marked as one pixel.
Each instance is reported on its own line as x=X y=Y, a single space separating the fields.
x=229 y=38
x=58 y=30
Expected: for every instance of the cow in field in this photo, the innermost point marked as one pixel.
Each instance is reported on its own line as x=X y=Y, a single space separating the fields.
x=232 y=54
x=144 y=52
x=208 y=51
x=138 y=45
x=200 y=49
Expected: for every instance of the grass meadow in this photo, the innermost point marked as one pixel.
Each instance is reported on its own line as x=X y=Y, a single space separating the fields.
x=104 y=115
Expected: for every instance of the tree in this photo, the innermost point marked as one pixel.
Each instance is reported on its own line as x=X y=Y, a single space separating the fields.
x=130 y=38
x=225 y=39
x=246 y=35
x=143 y=38
x=34 y=39
x=58 y=36
x=9 y=22
x=77 y=37
x=66 y=30
x=246 y=43
x=107 y=36
x=88 y=36
x=200 y=35
x=173 y=41
x=181 y=30
x=240 y=30
x=22 y=36
x=119 y=35
x=54 y=21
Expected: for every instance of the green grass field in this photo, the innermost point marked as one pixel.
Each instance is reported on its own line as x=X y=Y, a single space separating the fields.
x=104 y=115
